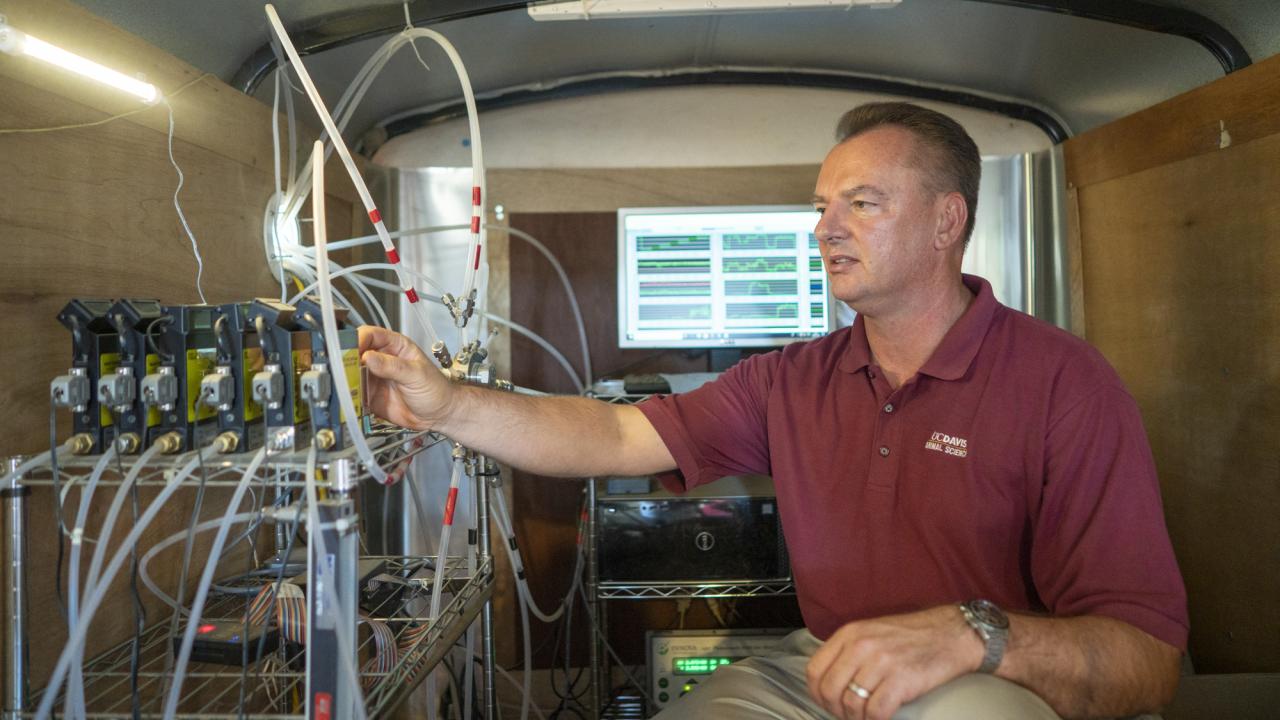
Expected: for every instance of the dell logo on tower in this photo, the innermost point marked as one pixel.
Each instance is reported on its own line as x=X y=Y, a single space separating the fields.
x=705 y=541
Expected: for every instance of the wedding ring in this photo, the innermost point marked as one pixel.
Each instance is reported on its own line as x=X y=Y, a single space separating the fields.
x=858 y=690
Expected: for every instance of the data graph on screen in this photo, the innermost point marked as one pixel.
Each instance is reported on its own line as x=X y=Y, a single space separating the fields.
x=708 y=277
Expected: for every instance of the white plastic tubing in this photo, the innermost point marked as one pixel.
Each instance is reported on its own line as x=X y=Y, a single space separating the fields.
x=346 y=643
x=337 y=371
x=95 y=595
x=355 y=92
x=206 y=579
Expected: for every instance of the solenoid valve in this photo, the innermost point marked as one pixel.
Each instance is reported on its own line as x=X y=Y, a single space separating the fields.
x=160 y=389
x=118 y=390
x=268 y=386
x=470 y=365
x=316 y=386
x=218 y=389
x=71 y=390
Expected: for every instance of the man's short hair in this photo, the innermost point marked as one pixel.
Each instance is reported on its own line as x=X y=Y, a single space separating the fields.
x=953 y=162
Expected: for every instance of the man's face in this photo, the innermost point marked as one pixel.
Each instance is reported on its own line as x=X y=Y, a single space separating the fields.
x=877 y=223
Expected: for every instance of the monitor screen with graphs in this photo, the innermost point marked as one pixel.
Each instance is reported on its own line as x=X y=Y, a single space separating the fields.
x=719 y=277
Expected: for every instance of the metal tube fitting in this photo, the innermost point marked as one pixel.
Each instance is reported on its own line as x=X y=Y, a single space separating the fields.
x=169 y=443
x=227 y=442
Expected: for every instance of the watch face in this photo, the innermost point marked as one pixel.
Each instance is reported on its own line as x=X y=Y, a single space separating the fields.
x=987 y=613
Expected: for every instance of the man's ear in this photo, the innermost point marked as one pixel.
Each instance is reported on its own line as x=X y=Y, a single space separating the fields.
x=953 y=215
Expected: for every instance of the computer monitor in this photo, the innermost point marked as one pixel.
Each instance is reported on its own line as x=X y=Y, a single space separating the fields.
x=707 y=277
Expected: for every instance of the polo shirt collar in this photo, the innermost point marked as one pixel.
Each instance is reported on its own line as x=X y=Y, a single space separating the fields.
x=954 y=355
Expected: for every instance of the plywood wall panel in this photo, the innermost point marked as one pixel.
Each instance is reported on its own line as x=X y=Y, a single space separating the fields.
x=89 y=212
x=1182 y=295
x=1231 y=111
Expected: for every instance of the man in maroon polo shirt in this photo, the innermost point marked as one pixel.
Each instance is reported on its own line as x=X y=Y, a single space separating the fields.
x=967 y=493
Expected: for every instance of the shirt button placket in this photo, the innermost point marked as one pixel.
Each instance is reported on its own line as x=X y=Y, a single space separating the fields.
x=884 y=451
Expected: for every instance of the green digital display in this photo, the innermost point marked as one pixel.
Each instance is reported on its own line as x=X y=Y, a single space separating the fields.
x=698 y=665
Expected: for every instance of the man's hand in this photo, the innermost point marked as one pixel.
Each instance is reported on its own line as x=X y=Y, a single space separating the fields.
x=896 y=659
x=405 y=387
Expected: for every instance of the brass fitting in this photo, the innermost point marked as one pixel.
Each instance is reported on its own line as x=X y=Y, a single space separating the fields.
x=227 y=442
x=325 y=439
x=169 y=443
x=128 y=443
x=81 y=444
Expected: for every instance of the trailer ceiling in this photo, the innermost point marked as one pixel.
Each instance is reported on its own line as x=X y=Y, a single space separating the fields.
x=1054 y=58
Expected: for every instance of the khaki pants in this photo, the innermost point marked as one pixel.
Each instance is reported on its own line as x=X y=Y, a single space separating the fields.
x=774 y=687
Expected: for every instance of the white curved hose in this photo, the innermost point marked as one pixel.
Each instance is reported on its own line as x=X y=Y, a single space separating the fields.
x=95 y=596
x=537 y=245
x=75 y=686
x=206 y=579
x=398 y=234
x=34 y=463
x=356 y=179
x=337 y=370
x=346 y=646
x=446 y=532
x=109 y=522
x=568 y=289
x=503 y=518
x=542 y=343
x=365 y=266
x=174 y=539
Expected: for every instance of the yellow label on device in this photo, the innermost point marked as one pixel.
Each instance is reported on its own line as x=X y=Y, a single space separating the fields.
x=301 y=364
x=107 y=364
x=153 y=412
x=351 y=366
x=199 y=364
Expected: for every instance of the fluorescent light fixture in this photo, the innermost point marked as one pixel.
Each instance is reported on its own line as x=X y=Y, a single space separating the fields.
x=592 y=9
x=15 y=42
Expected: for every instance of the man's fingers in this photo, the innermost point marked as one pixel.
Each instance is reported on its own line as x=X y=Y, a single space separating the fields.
x=884 y=701
x=390 y=367
x=387 y=341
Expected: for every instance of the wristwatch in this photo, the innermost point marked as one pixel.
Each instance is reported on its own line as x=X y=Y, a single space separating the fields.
x=992 y=625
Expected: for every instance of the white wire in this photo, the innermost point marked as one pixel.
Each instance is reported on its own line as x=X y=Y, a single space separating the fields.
x=195 y=247
x=408 y=25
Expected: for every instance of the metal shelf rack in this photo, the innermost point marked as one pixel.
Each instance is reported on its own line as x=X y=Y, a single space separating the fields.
x=599 y=592
x=274 y=686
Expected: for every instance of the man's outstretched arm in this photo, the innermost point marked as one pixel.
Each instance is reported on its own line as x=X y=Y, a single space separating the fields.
x=564 y=436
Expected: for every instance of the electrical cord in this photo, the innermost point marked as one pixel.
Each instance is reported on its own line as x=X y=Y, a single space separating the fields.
x=195 y=246
x=165 y=357
x=59 y=524
x=139 y=612
x=103 y=121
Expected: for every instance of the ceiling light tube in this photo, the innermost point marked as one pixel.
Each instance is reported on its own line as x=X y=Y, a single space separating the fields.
x=592 y=9
x=18 y=43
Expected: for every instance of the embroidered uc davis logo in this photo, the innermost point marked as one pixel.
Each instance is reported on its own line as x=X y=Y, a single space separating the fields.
x=947 y=444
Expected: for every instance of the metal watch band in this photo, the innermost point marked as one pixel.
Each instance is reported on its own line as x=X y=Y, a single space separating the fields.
x=992 y=626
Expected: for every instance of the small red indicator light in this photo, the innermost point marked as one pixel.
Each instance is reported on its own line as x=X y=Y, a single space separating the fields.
x=206 y=628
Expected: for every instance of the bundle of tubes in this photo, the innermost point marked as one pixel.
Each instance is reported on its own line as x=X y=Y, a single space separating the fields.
x=316 y=272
